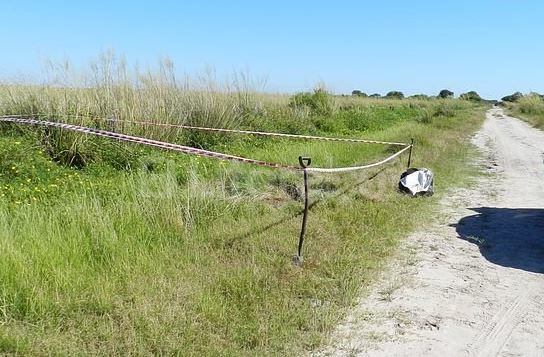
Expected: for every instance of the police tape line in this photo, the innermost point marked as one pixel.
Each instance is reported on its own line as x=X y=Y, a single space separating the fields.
x=195 y=151
x=355 y=168
x=145 y=141
x=236 y=131
x=259 y=133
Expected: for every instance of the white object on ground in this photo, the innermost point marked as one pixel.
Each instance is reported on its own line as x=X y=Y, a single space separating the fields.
x=418 y=181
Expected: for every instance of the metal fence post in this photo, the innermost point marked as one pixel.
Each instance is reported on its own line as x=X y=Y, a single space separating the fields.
x=304 y=163
x=410 y=154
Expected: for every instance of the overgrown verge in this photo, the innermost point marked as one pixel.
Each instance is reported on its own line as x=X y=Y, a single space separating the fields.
x=530 y=108
x=161 y=253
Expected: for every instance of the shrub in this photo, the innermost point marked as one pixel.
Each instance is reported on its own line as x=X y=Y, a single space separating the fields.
x=472 y=96
x=419 y=96
x=426 y=116
x=395 y=95
x=77 y=151
x=358 y=93
x=531 y=104
x=444 y=93
x=375 y=95
x=512 y=97
x=319 y=101
x=444 y=110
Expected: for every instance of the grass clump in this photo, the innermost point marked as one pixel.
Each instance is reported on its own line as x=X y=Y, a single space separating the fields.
x=319 y=101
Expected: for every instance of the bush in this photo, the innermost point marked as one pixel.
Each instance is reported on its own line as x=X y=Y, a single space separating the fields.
x=358 y=93
x=319 y=101
x=419 y=96
x=77 y=151
x=531 y=104
x=375 y=95
x=395 y=95
x=444 y=93
x=444 y=110
x=472 y=96
x=512 y=97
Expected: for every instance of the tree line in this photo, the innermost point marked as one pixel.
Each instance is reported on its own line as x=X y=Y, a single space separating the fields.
x=444 y=94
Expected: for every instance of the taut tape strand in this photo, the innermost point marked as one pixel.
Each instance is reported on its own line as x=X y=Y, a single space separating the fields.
x=355 y=168
x=259 y=133
x=201 y=152
x=150 y=142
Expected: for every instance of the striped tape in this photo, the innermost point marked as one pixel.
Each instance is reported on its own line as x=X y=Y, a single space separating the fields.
x=248 y=132
x=259 y=133
x=145 y=141
x=355 y=168
x=202 y=152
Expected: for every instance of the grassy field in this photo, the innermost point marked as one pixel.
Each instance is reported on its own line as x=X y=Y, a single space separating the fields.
x=112 y=248
x=529 y=108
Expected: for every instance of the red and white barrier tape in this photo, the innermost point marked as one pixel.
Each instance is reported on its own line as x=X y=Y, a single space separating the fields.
x=139 y=140
x=248 y=132
x=259 y=133
x=355 y=168
x=201 y=152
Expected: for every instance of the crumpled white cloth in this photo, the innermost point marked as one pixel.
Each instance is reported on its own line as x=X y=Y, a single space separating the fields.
x=418 y=181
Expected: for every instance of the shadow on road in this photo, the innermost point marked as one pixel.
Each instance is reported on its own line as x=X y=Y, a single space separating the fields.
x=511 y=237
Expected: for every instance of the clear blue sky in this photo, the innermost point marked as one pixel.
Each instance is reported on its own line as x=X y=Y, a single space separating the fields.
x=493 y=47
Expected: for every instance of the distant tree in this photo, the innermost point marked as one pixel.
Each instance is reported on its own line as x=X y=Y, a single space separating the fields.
x=419 y=96
x=395 y=95
x=472 y=95
x=375 y=95
x=512 y=97
x=358 y=93
x=444 y=93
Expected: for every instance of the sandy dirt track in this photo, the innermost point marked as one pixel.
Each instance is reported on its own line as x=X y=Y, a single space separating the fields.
x=473 y=283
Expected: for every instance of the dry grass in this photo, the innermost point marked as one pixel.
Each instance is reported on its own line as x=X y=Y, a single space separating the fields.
x=529 y=108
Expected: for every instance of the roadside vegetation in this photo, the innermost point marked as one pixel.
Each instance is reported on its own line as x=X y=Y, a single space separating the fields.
x=112 y=248
x=529 y=107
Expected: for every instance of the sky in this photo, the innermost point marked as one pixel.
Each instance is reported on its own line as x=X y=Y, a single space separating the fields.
x=492 y=47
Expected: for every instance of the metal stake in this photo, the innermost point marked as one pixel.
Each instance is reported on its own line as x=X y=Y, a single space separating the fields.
x=304 y=163
x=410 y=154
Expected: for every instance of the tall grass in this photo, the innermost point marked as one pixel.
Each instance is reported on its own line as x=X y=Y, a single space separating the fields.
x=530 y=108
x=109 y=90
x=137 y=251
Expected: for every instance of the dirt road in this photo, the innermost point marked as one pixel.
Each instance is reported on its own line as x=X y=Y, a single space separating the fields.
x=473 y=283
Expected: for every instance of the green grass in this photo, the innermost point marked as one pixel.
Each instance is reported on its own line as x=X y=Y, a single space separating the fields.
x=529 y=108
x=139 y=251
